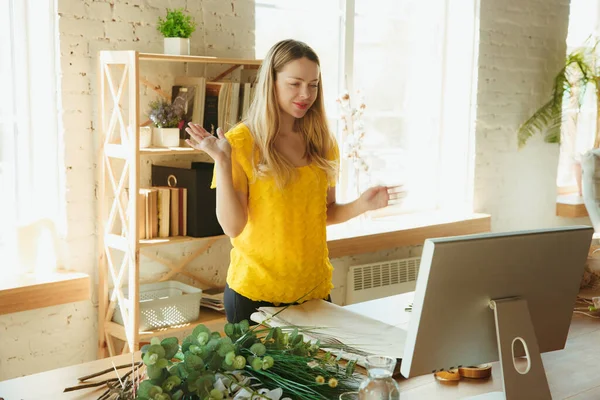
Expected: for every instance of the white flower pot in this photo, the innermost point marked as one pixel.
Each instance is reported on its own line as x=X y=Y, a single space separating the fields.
x=145 y=136
x=177 y=46
x=165 y=137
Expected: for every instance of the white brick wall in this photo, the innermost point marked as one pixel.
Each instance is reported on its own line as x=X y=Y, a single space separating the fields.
x=522 y=46
x=39 y=340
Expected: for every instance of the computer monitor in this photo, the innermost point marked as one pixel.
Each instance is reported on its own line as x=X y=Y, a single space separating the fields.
x=477 y=295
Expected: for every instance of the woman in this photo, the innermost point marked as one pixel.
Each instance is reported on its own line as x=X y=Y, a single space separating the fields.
x=275 y=177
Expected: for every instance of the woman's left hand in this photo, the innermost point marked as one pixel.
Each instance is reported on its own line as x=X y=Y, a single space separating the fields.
x=381 y=196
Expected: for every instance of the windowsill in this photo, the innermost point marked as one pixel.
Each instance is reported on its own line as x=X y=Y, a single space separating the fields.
x=399 y=231
x=33 y=291
x=570 y=206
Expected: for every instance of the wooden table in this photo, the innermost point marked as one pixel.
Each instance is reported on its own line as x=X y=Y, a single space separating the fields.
x=573 y=373
x=49 y=385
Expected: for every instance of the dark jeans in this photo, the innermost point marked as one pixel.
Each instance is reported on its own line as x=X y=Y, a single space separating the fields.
x=239 y=308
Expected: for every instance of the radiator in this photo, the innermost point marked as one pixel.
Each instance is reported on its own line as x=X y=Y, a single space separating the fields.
x=382 y=279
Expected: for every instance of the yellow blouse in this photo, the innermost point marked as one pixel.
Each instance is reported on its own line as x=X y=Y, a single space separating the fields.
x=281 y=256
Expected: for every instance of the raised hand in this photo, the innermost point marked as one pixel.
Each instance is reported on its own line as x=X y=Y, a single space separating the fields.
x=381 y=196
x=218 y=148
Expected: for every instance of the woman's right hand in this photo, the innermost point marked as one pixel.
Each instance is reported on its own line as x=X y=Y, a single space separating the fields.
x=218 y=148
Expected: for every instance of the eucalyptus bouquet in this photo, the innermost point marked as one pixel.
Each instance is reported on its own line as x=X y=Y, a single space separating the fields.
x=257 y=363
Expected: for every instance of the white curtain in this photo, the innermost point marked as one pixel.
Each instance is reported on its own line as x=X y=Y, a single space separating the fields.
x=29 y=151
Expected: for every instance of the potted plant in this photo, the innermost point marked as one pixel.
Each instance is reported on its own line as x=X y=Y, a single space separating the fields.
x=176 y=28
x=166 y=120
x=580 y=73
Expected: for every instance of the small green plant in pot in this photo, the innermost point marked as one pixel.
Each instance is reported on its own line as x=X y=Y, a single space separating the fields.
x=166 y=119
x=176 y=27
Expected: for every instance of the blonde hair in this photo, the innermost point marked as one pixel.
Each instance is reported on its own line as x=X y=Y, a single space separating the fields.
x=263 y=119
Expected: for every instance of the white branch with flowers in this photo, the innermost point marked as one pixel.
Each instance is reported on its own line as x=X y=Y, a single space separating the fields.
x=353 y=132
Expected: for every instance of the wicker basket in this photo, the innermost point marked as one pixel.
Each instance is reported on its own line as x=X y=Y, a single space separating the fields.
x=165 y=304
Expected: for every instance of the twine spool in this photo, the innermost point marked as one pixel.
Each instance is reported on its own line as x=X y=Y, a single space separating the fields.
x=448 y=376
x=478 y=372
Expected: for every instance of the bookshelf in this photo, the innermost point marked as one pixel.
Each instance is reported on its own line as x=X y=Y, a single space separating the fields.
x=119 y=156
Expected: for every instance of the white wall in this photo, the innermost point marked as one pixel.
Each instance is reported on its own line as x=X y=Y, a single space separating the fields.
x=52 y=337
x=522 y=45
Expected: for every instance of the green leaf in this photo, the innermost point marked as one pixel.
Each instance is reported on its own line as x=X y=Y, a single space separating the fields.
x=258 y=349
x=154 y=372
x=162 y=363
x=225 y=348
x=187 y=342
x=171 y=346
x=228 y=329
x=158 y=350
x=213 y=344
x=204 y=384
x=568 y=93
x=176 y=24
x=193 y=362
x=144 y=389
x=178 y=395
x=270 y=334
x=182 y=371
x=215 y=362
x=244 y=326
x=191 y=380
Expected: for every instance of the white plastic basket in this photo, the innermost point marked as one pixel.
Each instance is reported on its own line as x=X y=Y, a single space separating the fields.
x=165 y=304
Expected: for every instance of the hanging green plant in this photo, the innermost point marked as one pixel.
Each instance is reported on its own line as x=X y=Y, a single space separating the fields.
x=580 y=70
x=176 y=24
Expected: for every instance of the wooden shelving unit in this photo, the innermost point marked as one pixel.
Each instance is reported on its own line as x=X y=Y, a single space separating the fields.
x=119 y=169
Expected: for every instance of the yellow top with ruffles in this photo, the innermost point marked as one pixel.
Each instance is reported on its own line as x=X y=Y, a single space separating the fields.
x=281 y=256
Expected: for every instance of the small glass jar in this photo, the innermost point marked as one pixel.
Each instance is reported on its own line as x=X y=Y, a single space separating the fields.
x=379 y=385
x=349 y=396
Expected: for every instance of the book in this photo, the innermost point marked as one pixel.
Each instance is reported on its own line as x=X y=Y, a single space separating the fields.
x=206 y=198
x=174 y=217
x=201 y=200
x=213 y=299
x=245 y=100
x=184 y=178
x=183 y=211
x=223 y=103
x=164 y=211
x=232 y=116
x=178 y=211
x=141 y=215
x=149 y=205
x=211 y=108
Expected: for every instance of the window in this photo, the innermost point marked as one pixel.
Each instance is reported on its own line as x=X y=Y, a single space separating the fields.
x=578 y=134
x=29 y=205
x=396 y=53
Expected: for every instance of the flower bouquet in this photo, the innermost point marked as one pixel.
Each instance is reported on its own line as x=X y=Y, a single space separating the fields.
x=247 y=363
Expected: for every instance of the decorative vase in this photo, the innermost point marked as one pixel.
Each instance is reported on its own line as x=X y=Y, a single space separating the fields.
x=177 y=46
x=145 y=136
x=379 y=385
x=165 y=137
